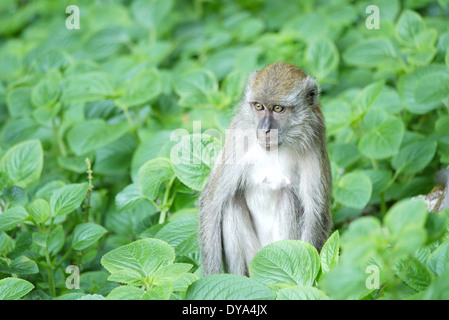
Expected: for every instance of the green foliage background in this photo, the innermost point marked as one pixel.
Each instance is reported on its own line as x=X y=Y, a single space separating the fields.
x=89 y=119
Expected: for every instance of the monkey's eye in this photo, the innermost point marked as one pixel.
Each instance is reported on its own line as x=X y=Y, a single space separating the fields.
x=258 y=106
x=278 y=109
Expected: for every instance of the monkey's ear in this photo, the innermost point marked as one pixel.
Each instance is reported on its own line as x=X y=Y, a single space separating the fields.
x=312 y=92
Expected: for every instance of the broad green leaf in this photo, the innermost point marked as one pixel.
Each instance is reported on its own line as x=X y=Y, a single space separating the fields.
x=23 y=265
x=129 y=197
x=92 y=134
x=322 y=58
x=360 y=242
x=44 y=94
x=86 y=234
x=195 y=87
x=408 y=27
x=301 y=293
x=153 y=174
x=367 y=96
x=87 y=87
x=126 y=293
x=170 y=273
x=337 y=115
x=184 y=242
x=18 y=101
x=14 y=196
x=414 y=156
x=371 y=52
x=193 y=158
x=382 y=136
x=151 y=14
x=413 y=88
x=67 y=199
x=405 y=222
x=432 y=88
x=414 y=273
x=12 y=217
x=138 y=261
x=330 y=252
x=14 y=288
x=143 y=88
x=353 y=190
x=39 y=210
x=287 y=261
x=438 y=260
x=438 y=290
x=228 y=287
x=23 y=162
x=344 y=282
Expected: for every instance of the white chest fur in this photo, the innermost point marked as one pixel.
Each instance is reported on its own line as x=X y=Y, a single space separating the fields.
x=269 y=174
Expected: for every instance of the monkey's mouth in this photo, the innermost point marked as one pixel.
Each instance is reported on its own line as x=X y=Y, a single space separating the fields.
x=268 y=142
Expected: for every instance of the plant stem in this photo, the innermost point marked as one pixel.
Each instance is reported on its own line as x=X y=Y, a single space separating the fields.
x=59 y=142
x=51 y=279
x=64 y=257
x=165 y=204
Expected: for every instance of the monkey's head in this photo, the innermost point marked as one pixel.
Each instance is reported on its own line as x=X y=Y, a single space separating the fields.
x=281 y=102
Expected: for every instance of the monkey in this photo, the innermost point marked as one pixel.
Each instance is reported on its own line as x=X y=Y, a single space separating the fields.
x=272 y=179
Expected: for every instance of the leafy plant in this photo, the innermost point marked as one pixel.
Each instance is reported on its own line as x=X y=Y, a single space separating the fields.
x=109 y=132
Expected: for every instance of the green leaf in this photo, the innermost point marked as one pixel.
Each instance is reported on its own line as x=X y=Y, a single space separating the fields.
x=184 y=242
x=353 y=190
x=39 y=210
x=414 y=88
x=143 y=88
x=14 y=288
x=126 y=293
x=67 y=199
x=129 y=197
x=438 y=260
x=301 y=293
x=414 y=156
x=330 y=252
x=170 y=273
x=15 y=196
x=382 y=136
x=12 y=217
x=194 y=88
x=287 y=261
x=228 y=287
x=92 y=134
x=361 y=241
x=18 y=102
x=371 y=52
x=153 y=174
x=408 y=27
x=414 y=273
x=337 y=115
x=87 y=87
x=86 y=234
x=44 y=94
x=151 y=14
x=23 y=265
x=322 y=58
x=23 y=163
x=135 y=262
x=368 y=95
x=405 y=222
x=193 y=158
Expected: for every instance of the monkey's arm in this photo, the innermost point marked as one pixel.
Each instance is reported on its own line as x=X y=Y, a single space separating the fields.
x=210 y=228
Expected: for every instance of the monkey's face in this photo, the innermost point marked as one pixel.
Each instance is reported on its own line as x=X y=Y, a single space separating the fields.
x=281 y=101
x=268 y=118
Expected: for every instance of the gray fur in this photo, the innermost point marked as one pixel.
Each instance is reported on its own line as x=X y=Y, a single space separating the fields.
x=230 y=233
